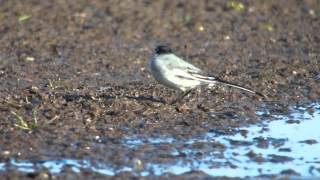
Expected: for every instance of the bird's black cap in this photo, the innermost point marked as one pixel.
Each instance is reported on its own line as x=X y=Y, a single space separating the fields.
x=163 y=49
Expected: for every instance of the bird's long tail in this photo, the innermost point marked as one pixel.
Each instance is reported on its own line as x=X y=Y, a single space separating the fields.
x=214 y=80
x=238 y=87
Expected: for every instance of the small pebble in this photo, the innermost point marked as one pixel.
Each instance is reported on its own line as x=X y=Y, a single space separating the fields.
x=29 y=59
x=227 y=37
x=5 y=153
x=201 y=28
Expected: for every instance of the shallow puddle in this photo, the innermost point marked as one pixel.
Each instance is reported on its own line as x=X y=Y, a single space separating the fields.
x=281 y=145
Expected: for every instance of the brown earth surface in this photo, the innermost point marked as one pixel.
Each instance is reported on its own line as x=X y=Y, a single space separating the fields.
x=80 y=68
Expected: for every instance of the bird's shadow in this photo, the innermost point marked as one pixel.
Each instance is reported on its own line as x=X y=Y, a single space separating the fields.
x=147 y=98
x=76 y=97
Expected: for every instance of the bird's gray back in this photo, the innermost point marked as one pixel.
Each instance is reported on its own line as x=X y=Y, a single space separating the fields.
x=174 y=62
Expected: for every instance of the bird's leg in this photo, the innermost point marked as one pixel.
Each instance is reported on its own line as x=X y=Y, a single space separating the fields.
x=182 y=95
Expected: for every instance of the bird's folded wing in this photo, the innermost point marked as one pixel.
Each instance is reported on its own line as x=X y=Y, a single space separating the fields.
x=200 y=75
x=183 y=74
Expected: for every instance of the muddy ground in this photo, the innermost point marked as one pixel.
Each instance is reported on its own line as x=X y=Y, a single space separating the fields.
x=76 y=71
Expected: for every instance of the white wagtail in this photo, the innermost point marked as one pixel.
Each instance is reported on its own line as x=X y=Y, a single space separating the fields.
x=174 y=72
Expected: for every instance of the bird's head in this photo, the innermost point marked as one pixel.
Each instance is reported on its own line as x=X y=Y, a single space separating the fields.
x=163 y=49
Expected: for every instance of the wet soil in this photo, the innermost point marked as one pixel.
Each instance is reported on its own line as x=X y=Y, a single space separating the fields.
x=76 y=72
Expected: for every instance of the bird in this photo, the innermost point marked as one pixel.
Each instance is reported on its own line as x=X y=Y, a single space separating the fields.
x=174 y=72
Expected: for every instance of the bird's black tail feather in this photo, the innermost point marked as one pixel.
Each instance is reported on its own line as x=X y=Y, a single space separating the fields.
x=238 y=87
x=214 y=80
